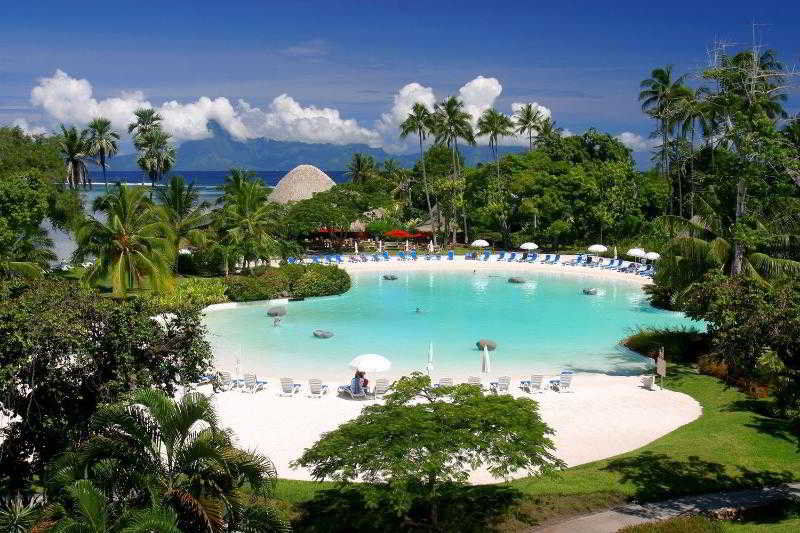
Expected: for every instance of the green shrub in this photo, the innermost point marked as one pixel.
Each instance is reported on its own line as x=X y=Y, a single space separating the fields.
x=270 y=284
x=680 y=345
x=683 y=524
x=321 y=280
x=198 y=292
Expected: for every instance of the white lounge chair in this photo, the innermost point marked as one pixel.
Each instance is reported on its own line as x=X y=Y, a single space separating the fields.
x=534 y=385
x=563 y=383
x=251 y=384
x=445 y=382
x=225 y=381
x=501 y=385
x=316 y=389
x=474 y=380
x=380 y=388
x=289 y=387
x=649 y=382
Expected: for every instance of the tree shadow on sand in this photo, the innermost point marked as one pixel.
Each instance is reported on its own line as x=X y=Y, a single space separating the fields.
x=461 y=508
x=658 y=477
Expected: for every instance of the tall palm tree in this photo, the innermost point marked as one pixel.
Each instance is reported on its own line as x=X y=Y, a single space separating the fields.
x=157 y=154
x=91 y=512
x=548 y=128
x=361 y=168
x=132 y=246
x=235 y=182
x=494 y=124
x=528 y=119
x=694 y=111
x=658 y=96
x=74 y=150
x=451 y=123
x=146 y=119
x=181 y=211
x=419 y=122
x=103 y=142
x=178 y=452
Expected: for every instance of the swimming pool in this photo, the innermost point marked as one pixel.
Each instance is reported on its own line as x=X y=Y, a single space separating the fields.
x=541 y=326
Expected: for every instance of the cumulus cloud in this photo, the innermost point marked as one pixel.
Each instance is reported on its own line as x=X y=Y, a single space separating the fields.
x=71 y=101
x=636 y=142
x=27 y=128
x=403 y=101
x=479 y=95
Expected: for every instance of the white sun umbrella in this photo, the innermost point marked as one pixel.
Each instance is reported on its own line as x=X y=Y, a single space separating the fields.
x=636 y=252
x=429 y=366
x=597 y=249
x=615 y=252
x=356 y=247
x=529 y=246
x=653 y=256
x=371 y=362
x=480 y=243
x=486 y=362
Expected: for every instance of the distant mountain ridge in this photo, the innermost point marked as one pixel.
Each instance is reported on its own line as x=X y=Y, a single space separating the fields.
x=222 y=152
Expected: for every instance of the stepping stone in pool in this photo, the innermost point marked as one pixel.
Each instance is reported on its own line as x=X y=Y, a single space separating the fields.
x=390 y=277
x=322 y=334
x=276 y=311
x=516 y=280
x=491 y=345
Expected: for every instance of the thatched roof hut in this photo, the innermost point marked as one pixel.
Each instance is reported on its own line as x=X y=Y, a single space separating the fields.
x=300 y=183
x=427 y=226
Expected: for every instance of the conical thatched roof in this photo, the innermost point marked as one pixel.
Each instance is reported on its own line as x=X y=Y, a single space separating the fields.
x=301 y=183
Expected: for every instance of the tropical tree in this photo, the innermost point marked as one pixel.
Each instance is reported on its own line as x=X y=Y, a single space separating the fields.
x=176 y=453
x=419 y=122
x=694 y=111
x=494 y=125
x=74 y=150
x=235 y=182
x=451 y=123
x=548 y=129
x=528 y=119
x=247 y=221
x=361 y=168
x=132 y=246
x=103 y=142
x=28 y=255
x=18 y=515
x=146 y=119
x=157 y=154
x=181 y=211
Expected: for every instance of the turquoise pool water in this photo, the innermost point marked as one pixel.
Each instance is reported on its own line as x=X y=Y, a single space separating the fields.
x=542 y=326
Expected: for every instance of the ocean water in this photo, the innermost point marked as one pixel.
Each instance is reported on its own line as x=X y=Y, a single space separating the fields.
x=543 y=326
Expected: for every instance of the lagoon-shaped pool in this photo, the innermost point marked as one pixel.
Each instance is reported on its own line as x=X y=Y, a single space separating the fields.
x=541 y=326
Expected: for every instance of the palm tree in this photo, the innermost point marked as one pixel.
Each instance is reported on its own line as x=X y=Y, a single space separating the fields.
x=548 y=128
x=146 y=119
x=181 y=211
x=658 y=95
x=235 y=183
x=91 y=512
x=528 y=119
x=103 y=142
x=451 y=123
x=132 y=246
x=28 y=255
x=495 y=125
x=177 y=452
x=157 y=154
x=419 y=122
x=18 y=515
x=74 y=150
x=248 y=222
x=361 y=168
x=694 y=111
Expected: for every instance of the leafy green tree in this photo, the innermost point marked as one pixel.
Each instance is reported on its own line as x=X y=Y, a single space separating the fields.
x=181 y=211
x=528 y=119
x=66 y=350
x=132 y=246
x=361 y=168
x=150 y=445
x=423 y=438
x=157 y=154
x=419 y=122
x=103 y=142
x=74 y=148
x=248 y=221
x=30 y=156
x=146 y=119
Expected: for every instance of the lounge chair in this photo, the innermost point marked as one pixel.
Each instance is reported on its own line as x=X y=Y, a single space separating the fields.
x=649 y=382
x=444 y=382
x=613 y=264
x=438 y=256
x=532 y=258
x=534 y=384
x=376 y=257
x=413 y=255
x=315 y=259
x=401 y=256
x=381 y=387
x=251 y=384
x=450 y=255
x=500 y=255
x=316 y=389
x=290 y=260
x=555 y=260
x=476 y=381
x=575 y=260
x=339 y=259
x=599 y=263
x=289 y=387
x=364 y=258
x=354 y=390
x=646 y=271
x=545 y=259
x=225 y=383
x=486 y=255
x=523 y=258
x=512 y=256
x=385 y=255
x=501 y=385
x=353 y=259
x=563 y=383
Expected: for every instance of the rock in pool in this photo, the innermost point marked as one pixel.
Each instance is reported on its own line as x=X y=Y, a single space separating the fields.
x=390 y=277
x=488 y=343
x=516 y=280
x=276 y=311
x=322 y=334
x=590 y=290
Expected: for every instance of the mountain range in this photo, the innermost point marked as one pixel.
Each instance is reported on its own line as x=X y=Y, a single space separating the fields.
x=222 y=151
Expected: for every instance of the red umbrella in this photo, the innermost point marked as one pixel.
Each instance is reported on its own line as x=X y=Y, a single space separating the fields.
x=398 y=234
x=417 y=235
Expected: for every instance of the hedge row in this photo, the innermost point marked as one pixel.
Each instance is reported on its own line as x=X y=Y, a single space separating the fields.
x=298 y=281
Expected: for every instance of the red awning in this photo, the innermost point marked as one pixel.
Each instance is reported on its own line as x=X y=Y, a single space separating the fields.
x=398 y=234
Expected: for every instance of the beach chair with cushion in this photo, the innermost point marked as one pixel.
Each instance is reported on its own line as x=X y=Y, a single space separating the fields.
x=381 y=387
x=476 y=381
x=501 y=385
x=555 y=260
x=401 y=256
x=450 y=255
x=438 y=256
x=251 y=384
x=413 y=255
x=486 y=255
x=316 y=389
x=649 y=382
x=354 y=390
x=563 y=383
x=339 y=259
x=533 y=385
x=545 y=259
x=523 y=258
x=532 y=258
x=500 y=255
x=364 y=258
x=512 y=257
x=646 y=271
x=289 y=387
x=224 y=381
x=385 y=255
x=444 y=382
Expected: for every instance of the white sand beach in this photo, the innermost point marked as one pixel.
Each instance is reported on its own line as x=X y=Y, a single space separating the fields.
x=603 y=416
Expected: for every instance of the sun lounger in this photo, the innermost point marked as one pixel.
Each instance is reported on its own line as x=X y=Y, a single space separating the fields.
x=315 y=259
x=476 y=381
x=486 y=255
x=555 y=260
x=444 y=382
x=501 y=385
x=316 y=389
x=381 y=387
x=224 y=381
x=647 y=270
x=500 y=255
x=450 y=255
x=251 y=384
x=385 y=255
x=413 y=255
x=289 y=387
x=649 y=382
x=511 y=257
x=533 y=385
x=613 y=264
x=401 y=256
x=523 y=258
x=563 y=383
x=545 y=259
x=354 y=390
x=532 y=258
x=438 y=256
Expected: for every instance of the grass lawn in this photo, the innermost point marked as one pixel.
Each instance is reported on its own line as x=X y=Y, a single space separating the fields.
x=734 y=444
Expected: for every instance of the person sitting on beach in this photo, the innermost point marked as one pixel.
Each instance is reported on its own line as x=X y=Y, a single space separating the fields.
x=358 y=384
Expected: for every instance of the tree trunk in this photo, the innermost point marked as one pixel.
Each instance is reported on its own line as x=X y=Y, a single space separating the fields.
x=738 y=247
x=432 y=498
x=691 y=175
x=434 y=223
x=103 y=164
x=664 y=166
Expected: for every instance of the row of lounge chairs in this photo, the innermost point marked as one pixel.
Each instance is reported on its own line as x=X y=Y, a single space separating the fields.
x=535 y=384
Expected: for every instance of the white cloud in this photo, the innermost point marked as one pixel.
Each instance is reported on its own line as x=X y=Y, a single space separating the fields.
x=404 y=100
x=479 y=95
x=312 y=48
x=28 y=129
x=636 y=142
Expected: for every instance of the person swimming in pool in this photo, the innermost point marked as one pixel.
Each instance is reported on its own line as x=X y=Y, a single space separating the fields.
x=418 y=311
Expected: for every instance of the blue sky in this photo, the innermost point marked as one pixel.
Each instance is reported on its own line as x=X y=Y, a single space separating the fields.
x=581 y=60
